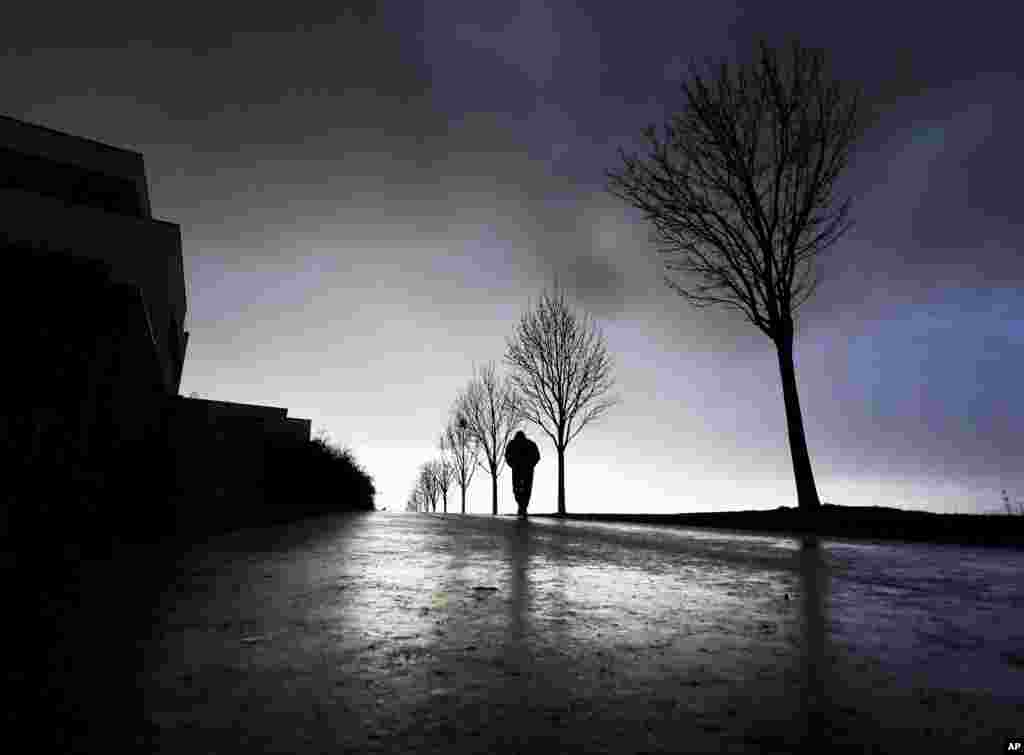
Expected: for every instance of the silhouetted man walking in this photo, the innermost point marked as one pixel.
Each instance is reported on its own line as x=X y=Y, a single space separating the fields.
x=522 y=455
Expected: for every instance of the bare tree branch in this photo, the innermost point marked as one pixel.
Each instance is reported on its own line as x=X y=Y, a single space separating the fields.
x=562 y=371
x=443 y=472
x=425 y=492
x=739 y=190
x=492 y=410
x=462 y=451
x=739 y=187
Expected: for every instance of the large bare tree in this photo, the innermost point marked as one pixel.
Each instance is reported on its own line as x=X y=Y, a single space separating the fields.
x=563 y=372
x=463 y=453
x=739 y=189
x=491 y=409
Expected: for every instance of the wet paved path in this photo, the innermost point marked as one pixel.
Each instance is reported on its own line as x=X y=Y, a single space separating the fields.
x=424 y=633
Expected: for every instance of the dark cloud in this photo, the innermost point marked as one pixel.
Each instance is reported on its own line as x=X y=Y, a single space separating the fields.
x=425 y=148
x=264 y=78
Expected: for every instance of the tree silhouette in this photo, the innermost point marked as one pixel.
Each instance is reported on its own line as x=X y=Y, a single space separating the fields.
x=443 y=472
x=330 y=474
x=416 y=501
x=1009 y=505
x=563 y=372
x=426 y=486
x=739 y=191
x=462 y=451
x=491 y=409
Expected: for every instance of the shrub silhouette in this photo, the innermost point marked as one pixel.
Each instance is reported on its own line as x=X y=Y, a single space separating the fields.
x=316 y=478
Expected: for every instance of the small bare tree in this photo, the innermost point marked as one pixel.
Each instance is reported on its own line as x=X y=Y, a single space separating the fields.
x=462 y=451
x=563 y=372
x=739 y=190
x=427 y=485
x=491 y=409
x=443 y=473
x=418 y=497
x=1009 y=505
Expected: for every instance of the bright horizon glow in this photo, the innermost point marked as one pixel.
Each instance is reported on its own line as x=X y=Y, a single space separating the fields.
x=651 y=454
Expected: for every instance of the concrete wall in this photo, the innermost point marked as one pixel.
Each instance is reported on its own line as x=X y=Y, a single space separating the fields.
x=65 y=193
x=97 y=304
x=297 y=430
x=87 y=155
x=84 y=440
x=146 y=253
x=221 y=455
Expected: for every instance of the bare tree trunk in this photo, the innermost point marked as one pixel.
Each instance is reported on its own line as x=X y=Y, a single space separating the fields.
x=806 y=492
x=463 y=499
x=445 y=494
x=561 y=482
x=494 y=494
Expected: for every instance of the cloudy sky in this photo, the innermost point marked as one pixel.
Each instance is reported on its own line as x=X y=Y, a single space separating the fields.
x=370 y=198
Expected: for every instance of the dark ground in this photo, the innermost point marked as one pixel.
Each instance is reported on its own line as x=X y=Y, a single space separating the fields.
x=374 y=623
x=858 y=522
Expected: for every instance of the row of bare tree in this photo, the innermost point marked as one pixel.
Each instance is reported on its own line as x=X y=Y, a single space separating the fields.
x=738 y=187
x=560 y=380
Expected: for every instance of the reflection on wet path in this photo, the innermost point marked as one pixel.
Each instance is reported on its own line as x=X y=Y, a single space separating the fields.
x=818 y=679
x=387 y=632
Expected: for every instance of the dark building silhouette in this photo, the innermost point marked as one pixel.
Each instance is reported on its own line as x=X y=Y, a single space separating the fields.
x=223 y=457
x=94 y=431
